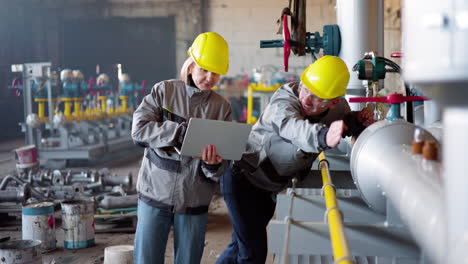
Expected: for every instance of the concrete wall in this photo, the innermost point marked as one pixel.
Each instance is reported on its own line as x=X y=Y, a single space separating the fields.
x=32 y=30
x=244 y=23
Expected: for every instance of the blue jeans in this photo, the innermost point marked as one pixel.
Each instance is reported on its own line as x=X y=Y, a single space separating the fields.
x=250 y=210
x=153 y=230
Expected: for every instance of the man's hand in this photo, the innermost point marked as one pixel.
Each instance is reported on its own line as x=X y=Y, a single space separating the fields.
x=209 y=155
x=366 y=116
x=334 y=133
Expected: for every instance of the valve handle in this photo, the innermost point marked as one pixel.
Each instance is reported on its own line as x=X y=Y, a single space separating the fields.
x=143 y=86
x=396 y=55
x=91 y=85
x=286 y=42
x=14 y=85
x=394 y=98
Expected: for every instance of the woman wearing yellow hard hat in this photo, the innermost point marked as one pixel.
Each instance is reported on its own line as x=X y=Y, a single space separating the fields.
x=176 y=190
x=302 y=119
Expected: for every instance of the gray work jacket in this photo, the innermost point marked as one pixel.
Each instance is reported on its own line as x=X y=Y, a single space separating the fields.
x=167 y=180
x=284 y=142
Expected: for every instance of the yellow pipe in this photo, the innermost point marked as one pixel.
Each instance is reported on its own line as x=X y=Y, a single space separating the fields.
x=41 y=110
x=124 y=103
x=67 y=111
x=77 y=107
x=103 y=103
x=341 y=251
x=250 y=89
x=261 y=88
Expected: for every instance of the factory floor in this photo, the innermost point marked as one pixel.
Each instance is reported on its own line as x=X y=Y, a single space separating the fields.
x=217 y=237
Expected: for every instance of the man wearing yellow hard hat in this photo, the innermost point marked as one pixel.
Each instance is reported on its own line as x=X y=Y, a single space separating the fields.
x=175 y=190
x=302 y=119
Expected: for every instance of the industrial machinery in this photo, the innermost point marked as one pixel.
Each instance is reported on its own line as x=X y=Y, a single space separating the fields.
x=266 y=80
x=300 y=41
x=403 y=198
x=74 y=127
x=130 y=93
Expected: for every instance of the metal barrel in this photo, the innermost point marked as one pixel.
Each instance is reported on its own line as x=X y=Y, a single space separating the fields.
x=78 y=223
x=38 y=223
x=20 y=252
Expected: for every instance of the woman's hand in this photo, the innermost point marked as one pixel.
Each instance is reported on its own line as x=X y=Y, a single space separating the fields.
x=209 y=155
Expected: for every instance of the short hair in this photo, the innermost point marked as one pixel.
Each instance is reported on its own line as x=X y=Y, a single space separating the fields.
x=184 y=71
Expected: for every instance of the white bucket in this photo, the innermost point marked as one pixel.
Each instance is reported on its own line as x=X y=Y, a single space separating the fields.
x=38 y=223
x=121 y=254
x=78 y=223
x=20 y=252
x=26 y=156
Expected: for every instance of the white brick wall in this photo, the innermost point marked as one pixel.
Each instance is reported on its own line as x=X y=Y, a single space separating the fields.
x=245 y=22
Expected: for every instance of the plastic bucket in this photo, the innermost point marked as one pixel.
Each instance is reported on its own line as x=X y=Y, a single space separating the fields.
x=26 y=156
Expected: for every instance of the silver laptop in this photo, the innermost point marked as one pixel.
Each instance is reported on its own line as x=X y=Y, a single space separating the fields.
x=229 y=138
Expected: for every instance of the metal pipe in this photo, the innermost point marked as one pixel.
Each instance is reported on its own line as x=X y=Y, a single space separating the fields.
x=432 y=112
x=288 y=221
x=383 y=166
x=341 y=251
x=118 y=180
x=5 y=182
x=361 y=28
x=419 y=186
x=113 y=202
x=19 y=195
x=9 y=178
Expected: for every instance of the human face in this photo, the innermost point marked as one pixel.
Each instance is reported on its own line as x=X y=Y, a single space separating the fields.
x=203 y=79
x=311 y=104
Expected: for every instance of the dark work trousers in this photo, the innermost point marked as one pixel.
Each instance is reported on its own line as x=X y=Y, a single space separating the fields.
x=250 y=210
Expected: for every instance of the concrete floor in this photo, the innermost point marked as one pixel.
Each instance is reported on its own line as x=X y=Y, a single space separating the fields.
x=217 y=237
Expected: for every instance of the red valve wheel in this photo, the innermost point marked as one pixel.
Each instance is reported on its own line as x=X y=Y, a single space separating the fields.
x=286 y=42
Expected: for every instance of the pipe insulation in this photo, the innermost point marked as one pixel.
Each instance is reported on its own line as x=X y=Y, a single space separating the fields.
x=383 y=167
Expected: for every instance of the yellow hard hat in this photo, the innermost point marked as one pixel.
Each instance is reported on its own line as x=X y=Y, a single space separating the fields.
x=327 y=77
x=211 y=52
